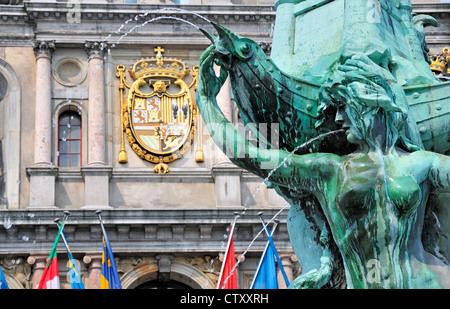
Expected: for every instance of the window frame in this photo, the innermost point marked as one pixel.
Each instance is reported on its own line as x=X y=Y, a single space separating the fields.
x=70 y=114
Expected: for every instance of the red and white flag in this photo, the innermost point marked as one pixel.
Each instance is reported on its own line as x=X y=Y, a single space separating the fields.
x=227 y=277
x=50 y=278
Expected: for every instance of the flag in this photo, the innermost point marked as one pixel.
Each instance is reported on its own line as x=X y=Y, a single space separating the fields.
x=275 y=252
x=227 y=276
x=3 y=284
x=266 y=275
x=50 y=278
x=110 y=277
x=75 y=278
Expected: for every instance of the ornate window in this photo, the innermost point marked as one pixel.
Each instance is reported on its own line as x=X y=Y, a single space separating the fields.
x=69 y=139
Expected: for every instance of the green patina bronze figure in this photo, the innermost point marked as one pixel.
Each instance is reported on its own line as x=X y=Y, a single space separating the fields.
x=364 y=138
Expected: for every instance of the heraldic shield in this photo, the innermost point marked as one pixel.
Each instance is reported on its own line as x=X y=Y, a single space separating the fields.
x=158 y=115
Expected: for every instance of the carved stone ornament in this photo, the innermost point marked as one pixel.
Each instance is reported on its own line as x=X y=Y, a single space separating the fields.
x=94 y=49
x=44 y=48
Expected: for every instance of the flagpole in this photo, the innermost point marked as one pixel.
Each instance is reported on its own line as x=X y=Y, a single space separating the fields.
x=263 y=254
x=236 y=216
x=286 y=280
x=73 y=267
x=66 y=215
x=98 y=213
x=62 y=234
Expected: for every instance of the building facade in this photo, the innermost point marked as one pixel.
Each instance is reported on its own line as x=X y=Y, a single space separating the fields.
x=70 y=141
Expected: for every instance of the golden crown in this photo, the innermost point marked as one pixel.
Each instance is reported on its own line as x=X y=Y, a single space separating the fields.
x=438 y=62
x=159 y=67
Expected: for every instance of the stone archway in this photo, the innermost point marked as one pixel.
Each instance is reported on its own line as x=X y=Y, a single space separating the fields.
x=179 y=272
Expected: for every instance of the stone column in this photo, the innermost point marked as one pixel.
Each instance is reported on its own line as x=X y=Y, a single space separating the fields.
x=224 y=102
x=43 y=113
x=96 y=174
x=94 y=263
x=97 y=108
x=42 y=173
x=286 y=259
x=38 y=262
x=227 y=176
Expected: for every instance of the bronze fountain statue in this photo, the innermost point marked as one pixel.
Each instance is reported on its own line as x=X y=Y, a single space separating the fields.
x=367 y=191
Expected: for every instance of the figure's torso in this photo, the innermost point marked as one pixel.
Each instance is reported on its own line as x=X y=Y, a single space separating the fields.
x=375 y=206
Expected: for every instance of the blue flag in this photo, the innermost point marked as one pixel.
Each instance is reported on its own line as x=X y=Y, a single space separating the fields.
x=75 y=278
x=3 y=284
x=266 y=277
x=110 y=277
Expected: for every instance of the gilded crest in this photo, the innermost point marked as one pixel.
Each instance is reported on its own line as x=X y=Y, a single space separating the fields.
x=158 y=114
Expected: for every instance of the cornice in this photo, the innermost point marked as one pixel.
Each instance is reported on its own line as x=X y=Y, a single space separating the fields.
x=31 y=231
x=216 y=13
x=110 y=11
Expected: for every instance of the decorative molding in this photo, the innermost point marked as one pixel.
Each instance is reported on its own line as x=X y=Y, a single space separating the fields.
x=95 y=49
x=44 y=48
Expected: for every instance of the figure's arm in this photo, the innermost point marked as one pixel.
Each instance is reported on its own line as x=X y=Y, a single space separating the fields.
x=303 y=171
x=440 y=172
x=429 y=166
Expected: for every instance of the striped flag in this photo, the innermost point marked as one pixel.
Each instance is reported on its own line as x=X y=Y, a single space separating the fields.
x=109 y=278
x=228 y=277
x=50 y=278
x=75 y=278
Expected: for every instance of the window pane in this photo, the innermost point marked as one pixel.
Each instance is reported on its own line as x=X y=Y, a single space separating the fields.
x=64 y=160
x=75 y=147
x=75 y=119
x=64 y=119
x=63 y=132
x=75 y=132
x=75 y=160
x=63 y=147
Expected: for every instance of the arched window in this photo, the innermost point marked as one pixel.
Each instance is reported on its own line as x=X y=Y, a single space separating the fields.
x=69 y=139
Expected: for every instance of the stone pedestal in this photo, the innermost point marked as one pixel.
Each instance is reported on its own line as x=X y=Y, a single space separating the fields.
x=96 y=187
x=227 y=186
x=42 y=186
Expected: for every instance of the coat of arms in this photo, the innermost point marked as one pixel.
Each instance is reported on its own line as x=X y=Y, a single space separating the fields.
x=158 y=115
